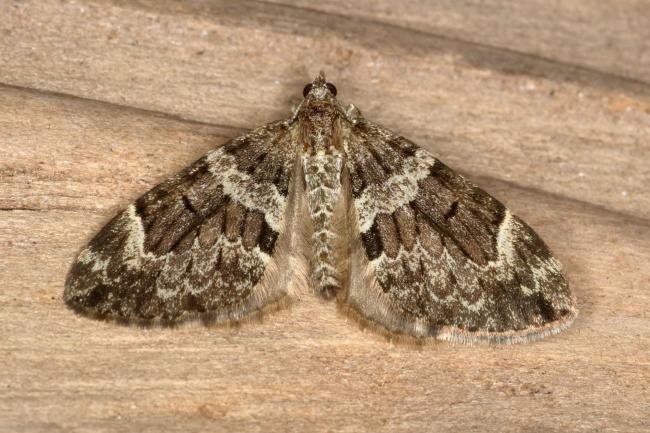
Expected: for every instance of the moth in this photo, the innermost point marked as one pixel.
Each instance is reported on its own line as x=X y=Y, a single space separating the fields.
x=398 y=239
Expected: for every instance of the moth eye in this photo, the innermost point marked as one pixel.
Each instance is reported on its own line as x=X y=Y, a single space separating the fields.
x=332 y=88
x=306 y=90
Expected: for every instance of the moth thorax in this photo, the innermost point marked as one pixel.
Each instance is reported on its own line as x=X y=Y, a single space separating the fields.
x=323 y=188
x=321 y=130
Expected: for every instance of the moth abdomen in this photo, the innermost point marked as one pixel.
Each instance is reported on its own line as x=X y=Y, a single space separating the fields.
x=323 y=188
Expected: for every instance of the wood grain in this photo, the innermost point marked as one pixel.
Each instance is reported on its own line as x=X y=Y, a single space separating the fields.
x=102 y=100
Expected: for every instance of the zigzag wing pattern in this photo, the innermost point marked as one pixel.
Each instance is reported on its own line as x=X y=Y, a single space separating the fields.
x=436 y=256
x=210 y=242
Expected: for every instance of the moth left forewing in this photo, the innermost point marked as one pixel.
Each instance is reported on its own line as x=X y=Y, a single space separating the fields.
x=434 y=256
x=212 y=242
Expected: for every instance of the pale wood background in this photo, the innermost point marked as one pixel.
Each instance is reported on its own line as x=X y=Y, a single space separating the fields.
x=545 y=104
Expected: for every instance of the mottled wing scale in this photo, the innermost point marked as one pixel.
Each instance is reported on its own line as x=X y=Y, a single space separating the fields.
x=403 y=242
x=209 y=243
x=433 y=255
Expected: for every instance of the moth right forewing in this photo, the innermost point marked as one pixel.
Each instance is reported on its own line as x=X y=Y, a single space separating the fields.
x=211 y=242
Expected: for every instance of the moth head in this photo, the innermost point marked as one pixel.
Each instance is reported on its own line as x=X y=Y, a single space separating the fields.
x=319 y=89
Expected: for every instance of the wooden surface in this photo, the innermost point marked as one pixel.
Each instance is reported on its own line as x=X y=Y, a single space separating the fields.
x=544 y=104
